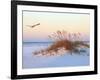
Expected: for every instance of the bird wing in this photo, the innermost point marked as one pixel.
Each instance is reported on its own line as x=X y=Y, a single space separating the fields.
x=36 y=25
x=33 y=25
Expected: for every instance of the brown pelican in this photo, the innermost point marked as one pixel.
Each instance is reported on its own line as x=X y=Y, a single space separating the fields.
x=33 y=25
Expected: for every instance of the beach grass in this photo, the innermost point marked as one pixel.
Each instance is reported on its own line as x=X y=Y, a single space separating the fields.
x=63 y=40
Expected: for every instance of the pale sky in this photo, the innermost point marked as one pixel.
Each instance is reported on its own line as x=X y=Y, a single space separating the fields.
x=52 y=22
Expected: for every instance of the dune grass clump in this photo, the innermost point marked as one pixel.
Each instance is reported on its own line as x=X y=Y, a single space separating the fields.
x=63 y=41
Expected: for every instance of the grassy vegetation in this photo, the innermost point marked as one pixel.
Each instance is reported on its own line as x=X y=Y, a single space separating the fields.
x=64 y=40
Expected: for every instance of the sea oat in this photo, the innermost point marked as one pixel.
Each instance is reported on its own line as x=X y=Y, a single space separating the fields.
x=64 y=42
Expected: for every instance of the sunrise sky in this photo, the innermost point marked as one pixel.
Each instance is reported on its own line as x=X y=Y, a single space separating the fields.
x=52 y=22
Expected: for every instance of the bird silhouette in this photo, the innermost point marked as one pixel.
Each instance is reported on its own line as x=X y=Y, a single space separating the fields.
x=33 y=25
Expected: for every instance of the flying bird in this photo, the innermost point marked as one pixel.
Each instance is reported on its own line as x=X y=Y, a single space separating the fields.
x=33 y=25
